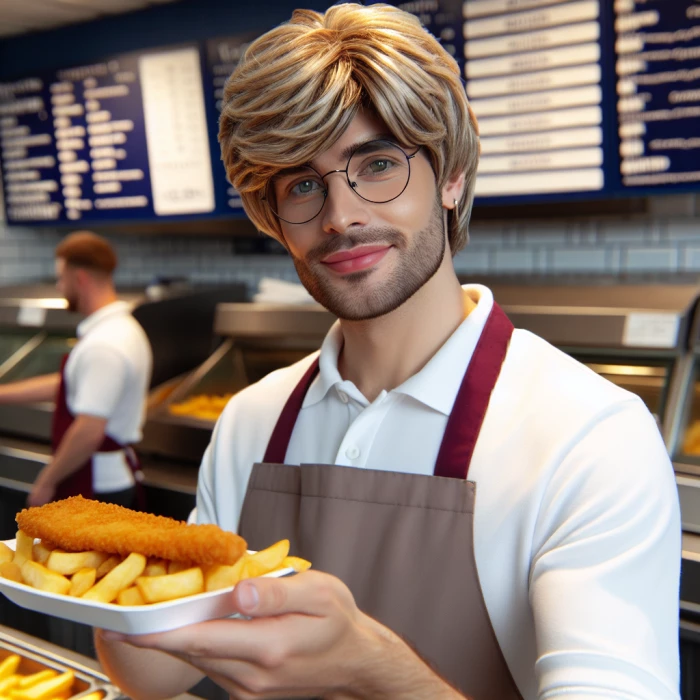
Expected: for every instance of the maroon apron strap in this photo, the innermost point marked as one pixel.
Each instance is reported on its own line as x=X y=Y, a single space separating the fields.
x=282 y=434
x=80 y=481
x=469 y=410
x=62 y=418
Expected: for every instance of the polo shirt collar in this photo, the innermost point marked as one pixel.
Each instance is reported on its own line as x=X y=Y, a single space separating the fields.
x=434 y=385
x=116 y=308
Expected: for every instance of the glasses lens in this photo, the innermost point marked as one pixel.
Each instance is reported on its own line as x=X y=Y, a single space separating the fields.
x=379 y=171
x=296 y=195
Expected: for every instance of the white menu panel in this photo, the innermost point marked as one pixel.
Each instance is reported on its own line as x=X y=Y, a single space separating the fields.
x=533 y=77
x=176 y=131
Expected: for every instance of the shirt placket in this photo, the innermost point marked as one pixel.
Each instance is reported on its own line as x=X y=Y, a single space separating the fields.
x=359 y=438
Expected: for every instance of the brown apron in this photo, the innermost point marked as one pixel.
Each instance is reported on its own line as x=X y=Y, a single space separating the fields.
x=402 y=543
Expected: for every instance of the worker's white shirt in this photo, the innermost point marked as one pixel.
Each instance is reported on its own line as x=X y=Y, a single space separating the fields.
x=577 y=530
x=107 y=375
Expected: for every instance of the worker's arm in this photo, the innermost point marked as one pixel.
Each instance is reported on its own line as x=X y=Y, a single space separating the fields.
x=306 y=638
x=605 y=569
x=34 y=390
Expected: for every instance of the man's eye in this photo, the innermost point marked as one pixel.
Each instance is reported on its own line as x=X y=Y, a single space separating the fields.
x=304 y=187
x=379 y=165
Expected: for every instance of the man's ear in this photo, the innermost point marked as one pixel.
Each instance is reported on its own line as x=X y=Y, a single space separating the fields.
x=452 y=190
x=81 y=276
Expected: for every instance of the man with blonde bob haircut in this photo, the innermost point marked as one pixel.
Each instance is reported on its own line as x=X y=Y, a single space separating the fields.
x=486 y=517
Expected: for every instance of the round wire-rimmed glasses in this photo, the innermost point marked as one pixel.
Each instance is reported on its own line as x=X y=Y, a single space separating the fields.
x=377 y=171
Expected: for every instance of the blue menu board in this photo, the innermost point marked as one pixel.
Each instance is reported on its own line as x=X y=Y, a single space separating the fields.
x=658 y=92
x=123 y=139
x=222 y=56
x=576 y=99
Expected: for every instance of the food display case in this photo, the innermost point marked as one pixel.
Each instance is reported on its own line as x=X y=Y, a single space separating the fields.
x=636 y=336
x=258 y=338
x=686 y=444
x=633 y=335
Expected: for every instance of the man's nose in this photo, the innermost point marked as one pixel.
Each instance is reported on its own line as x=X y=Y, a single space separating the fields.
x=344 y=208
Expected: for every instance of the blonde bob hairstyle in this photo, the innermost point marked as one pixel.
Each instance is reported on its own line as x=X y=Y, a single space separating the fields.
x=298 y=87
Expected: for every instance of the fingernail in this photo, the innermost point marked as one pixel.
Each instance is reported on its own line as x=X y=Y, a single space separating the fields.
x=113 y=636
x=248 y=596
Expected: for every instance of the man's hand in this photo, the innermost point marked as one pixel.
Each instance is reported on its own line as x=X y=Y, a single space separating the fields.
x=307 y=638
x=42 y=493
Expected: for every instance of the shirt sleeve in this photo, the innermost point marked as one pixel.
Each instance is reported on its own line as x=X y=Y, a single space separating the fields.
x=100 y=377
x=206 y=509
x=604 y=577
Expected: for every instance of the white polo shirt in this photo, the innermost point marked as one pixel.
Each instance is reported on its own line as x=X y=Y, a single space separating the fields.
x=107 y=375
x=577 y=530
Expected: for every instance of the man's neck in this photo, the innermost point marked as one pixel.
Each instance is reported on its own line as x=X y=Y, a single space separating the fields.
x=382 y=353
x=98 y=299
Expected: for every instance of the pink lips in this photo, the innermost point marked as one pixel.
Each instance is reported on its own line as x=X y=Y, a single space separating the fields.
x=356 y=259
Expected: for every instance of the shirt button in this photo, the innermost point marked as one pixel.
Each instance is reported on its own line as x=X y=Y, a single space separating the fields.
x=343 y=396
x=352 y=453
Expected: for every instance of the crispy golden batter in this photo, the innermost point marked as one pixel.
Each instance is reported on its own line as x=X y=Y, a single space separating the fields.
x=77 y=524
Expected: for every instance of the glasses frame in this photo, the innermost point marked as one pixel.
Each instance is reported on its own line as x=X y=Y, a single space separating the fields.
x=351 y=185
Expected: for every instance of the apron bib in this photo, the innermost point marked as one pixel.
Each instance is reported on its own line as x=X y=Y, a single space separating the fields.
x=402 y=543
x=80 y=483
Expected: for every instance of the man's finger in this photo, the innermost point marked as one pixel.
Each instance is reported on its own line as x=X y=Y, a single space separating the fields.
x=260 y=641
x=311 y=593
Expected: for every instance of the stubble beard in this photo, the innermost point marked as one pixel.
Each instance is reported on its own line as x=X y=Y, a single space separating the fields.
x=352 y=298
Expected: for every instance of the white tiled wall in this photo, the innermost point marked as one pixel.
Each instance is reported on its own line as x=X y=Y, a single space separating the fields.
x=663 y=244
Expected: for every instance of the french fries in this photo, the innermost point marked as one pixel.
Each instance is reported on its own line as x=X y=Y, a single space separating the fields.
x=156 y=567
x=130 y=596
x=42 y=685
x=9 y=683
x=46 y=689
x=10 y=570
x=156 y=589
x=129 y=581
x=6 y=554
x=82 y=581
x=23 y=548
x=121 y=576
x=44 y=579
x=9 y=666
x=47 y=684
x=106 y=566
x=68 y=563
x=34 y=678
x=42 y=552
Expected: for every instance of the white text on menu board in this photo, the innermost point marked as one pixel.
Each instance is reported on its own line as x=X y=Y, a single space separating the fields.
x=91 y=144
x=29 y=164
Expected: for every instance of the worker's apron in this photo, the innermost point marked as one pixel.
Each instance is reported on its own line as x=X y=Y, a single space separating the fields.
x=80 y=482
x=403 y=543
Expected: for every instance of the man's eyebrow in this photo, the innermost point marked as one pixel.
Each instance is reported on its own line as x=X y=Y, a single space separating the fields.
x=292 y=170
x=349 y=150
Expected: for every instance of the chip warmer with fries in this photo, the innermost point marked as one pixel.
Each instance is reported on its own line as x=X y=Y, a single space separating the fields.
x=37 y=655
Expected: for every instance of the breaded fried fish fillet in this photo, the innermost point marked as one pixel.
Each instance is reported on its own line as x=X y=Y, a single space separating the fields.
x=78 y=524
